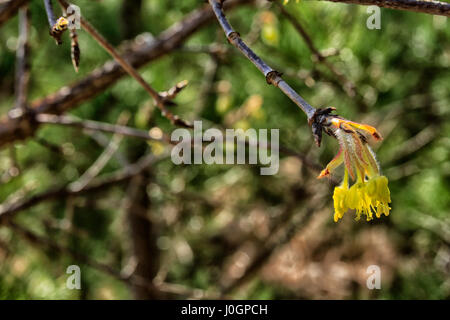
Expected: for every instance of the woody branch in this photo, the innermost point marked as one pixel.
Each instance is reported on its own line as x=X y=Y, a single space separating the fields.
x=272 y=76
x=316 y=117
x=138 y=54
x=423 y=6
x=160 y=102
x=9 y=9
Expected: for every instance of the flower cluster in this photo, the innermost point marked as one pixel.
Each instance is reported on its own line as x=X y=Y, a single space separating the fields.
x=369 y=194
x=58 y=29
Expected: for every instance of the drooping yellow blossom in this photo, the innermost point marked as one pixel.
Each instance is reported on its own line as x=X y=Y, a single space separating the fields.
x=369 y=194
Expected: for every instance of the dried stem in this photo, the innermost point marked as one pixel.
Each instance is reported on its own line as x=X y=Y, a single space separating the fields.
x=96 y=126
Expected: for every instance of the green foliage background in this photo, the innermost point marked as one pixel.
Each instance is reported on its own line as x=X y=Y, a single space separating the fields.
x=401 y=71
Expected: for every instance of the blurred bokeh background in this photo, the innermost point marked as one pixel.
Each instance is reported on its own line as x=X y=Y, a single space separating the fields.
x=224 y=230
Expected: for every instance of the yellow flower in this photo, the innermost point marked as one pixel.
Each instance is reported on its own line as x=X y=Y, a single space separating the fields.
x=370 y=193
x=340 y=202
x=61 y=24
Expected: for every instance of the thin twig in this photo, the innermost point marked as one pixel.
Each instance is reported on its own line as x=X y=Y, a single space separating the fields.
x=138 y=54
x=102 y=160
x=159 y=101
x=97 y=126
x=423 y=6
x=102 y=140
x=124 y=174
x=347 y=86
x=272 y=76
